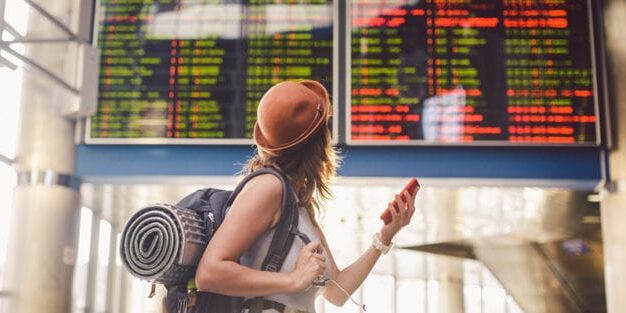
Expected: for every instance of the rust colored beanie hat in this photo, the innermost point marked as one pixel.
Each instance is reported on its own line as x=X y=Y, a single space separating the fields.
x=289 y=114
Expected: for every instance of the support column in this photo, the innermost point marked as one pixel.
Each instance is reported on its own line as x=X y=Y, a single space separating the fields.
x=450 y=285
x=112 y=270
x=43 y=235
x=450 y=269
x=92 y=269
x=613 y=200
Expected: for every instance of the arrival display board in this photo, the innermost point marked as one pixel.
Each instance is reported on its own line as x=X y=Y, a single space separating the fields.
x=472 y=71
x=193 y=71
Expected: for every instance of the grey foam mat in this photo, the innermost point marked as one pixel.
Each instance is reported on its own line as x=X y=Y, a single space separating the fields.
x=163 y=243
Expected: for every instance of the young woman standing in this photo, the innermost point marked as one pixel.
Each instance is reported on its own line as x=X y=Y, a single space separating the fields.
x=291 y=135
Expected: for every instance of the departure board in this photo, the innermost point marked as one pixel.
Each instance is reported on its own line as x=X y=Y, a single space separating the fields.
x=193 y=71
x=472 y=71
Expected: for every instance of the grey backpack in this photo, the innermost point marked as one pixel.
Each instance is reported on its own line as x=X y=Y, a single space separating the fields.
x=163 y=244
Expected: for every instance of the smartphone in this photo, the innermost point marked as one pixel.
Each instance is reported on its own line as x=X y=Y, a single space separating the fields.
x=412 y=187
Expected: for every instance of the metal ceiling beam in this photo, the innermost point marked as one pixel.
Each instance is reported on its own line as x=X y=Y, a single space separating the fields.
x=6 y=62
x=52 y=19
x=2 y=6
x=39 y=68
x=37 y=40
x=5 y=45
x=6 y=160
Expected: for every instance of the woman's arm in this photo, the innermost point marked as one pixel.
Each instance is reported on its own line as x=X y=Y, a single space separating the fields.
x=256 y=209
x=353 y=276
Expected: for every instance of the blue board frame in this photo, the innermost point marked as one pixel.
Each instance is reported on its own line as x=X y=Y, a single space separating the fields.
x=434 y=162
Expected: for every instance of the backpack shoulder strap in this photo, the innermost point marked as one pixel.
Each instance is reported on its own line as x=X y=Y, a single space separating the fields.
x=288 y=197
x=285 y=230
x=287 y=224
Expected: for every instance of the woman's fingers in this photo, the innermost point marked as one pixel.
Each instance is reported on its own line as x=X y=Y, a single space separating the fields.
x=402 y=208
x=310 y=266
x=319 y=267
x=410 y=199
x=315 y=255
x=321 y=264
x=404 y=205
x=411 y=204
x=394 y=211
x=401 y=203
x=314 y=247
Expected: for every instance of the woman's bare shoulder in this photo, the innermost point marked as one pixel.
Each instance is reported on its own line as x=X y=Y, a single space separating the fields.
x=265 y=185
x=261 y=195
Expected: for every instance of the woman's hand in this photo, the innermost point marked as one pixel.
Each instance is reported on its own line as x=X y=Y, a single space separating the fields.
x=400 y=216
x=311 y=264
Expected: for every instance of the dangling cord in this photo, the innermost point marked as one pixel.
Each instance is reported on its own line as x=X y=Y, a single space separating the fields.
x=152 y=290
x=322 y=282
x=361 y=305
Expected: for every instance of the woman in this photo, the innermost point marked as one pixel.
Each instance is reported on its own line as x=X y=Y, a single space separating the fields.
x=291 y=136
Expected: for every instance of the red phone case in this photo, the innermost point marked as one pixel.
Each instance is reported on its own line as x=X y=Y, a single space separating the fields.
x=411 y=187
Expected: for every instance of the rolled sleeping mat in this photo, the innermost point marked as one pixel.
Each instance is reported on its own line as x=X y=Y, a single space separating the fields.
x=163 y=243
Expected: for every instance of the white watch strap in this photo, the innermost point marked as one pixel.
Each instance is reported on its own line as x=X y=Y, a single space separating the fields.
x=379 y=245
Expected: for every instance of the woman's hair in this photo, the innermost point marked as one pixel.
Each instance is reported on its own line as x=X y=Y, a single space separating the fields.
x=309 y=169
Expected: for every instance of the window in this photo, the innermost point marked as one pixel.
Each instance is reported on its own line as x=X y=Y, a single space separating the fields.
x=378 y=293
x=16 y=13
x=7 y=184
x=411 y=295
x=104 y=243
x=79 y=285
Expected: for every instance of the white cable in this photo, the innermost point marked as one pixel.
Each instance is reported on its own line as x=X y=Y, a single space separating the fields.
x=348 y=294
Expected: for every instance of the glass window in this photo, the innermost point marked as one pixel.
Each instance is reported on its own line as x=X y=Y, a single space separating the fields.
x=494 y=296
x=472 y=299
x=433 y=295
x=104 y=242
x=494 y=299
x=16 y=15
x=118 y=257
x=409 y=264
x=411 y=296
x=79 y=285
x=11 y=82
x=7 y=184
x=378 y=293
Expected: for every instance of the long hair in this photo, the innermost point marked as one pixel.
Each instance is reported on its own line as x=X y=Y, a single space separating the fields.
x=309 y=169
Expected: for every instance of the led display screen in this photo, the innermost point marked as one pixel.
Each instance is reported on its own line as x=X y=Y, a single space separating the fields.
x=417 y=71
x=472 y=71
x=193 y=71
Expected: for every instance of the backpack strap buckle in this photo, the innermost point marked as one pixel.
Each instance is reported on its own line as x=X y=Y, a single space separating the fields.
x=274 y=263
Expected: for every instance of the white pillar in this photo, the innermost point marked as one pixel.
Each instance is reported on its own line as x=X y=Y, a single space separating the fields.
x=450 y=269
x=112 y=271
x=43 y=236
x=613 y=211
x=613 y=203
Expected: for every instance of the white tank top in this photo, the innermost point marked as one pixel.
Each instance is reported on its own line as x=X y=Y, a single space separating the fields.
x=253 y=257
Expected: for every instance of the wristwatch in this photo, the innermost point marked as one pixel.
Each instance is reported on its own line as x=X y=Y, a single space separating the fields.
x=379 y=245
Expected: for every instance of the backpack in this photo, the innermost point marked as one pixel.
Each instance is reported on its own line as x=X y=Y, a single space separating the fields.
x=200 y=214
